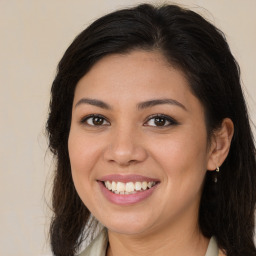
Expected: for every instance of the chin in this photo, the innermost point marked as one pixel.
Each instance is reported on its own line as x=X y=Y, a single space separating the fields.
x=132 y=226
x=127 y=229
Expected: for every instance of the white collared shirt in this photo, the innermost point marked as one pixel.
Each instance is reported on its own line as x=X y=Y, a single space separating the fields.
x=99 y=245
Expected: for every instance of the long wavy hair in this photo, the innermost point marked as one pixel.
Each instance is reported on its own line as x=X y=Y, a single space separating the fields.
x=200 y=51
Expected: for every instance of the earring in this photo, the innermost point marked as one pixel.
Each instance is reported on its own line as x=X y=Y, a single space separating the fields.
x=215 y=179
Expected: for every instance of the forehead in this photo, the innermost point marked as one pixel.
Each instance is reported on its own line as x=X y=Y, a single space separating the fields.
x=146 y=71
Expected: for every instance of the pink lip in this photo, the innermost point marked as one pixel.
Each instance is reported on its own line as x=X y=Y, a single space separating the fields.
x=126 y=199
x=127 y=178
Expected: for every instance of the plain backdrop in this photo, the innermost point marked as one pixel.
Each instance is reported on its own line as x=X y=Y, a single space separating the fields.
x=33 y=37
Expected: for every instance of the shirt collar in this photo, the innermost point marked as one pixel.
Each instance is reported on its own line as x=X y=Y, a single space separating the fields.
x=99 y=245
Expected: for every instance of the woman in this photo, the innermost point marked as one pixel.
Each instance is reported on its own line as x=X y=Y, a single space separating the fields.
x=151 y=135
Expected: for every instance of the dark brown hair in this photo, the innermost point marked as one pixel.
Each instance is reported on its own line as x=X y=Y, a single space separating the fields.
x=200 y=50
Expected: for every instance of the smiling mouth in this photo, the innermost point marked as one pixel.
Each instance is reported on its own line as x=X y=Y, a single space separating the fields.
x=128 y=188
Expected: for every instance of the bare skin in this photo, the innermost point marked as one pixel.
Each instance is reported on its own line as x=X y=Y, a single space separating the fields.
x=190 y=243
x=116 y=129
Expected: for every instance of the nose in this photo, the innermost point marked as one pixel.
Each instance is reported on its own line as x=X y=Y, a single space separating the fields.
x=125 y=148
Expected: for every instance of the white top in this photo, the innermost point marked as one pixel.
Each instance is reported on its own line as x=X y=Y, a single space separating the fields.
x=99 y=245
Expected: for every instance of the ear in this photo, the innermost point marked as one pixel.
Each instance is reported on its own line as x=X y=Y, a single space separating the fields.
x=220 y=144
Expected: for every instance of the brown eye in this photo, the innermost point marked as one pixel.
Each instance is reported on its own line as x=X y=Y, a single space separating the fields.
x=159 y=121
x=95 y=120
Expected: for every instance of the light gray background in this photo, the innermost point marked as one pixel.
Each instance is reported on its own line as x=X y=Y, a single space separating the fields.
x=34 y=35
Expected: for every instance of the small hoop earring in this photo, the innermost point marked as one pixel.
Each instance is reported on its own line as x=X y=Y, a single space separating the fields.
x=217 y=169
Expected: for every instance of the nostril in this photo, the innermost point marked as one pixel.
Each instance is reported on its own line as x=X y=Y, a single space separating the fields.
x=125 y=155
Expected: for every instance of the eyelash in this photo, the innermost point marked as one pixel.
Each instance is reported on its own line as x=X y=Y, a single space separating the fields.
x=85 y=119
x=165 y=118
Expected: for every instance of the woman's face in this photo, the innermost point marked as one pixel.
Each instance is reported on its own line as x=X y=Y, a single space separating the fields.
x=138 y=130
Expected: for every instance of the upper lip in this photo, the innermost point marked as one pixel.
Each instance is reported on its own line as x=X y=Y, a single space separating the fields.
x=127 y=178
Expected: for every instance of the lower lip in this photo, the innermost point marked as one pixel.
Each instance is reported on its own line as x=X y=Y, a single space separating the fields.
x=126 y=199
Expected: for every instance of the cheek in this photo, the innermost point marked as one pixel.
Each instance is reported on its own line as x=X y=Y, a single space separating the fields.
x=183 y=164
x=82 y=151
x=181 y=149
x=183 y=158
x=83 y=154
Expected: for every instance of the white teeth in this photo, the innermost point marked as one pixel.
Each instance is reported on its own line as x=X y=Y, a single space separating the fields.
x=150 y=184
x=113 y=186
x=120 y=187
x=138 y=186
x=129 y=187
x=108 y=185
x=144 y=185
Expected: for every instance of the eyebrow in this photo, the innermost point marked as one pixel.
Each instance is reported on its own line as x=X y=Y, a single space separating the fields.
x=154 y=102
x=140 y=106
x=93 y=102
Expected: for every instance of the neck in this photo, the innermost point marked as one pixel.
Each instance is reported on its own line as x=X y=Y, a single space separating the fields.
x=178 y=242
